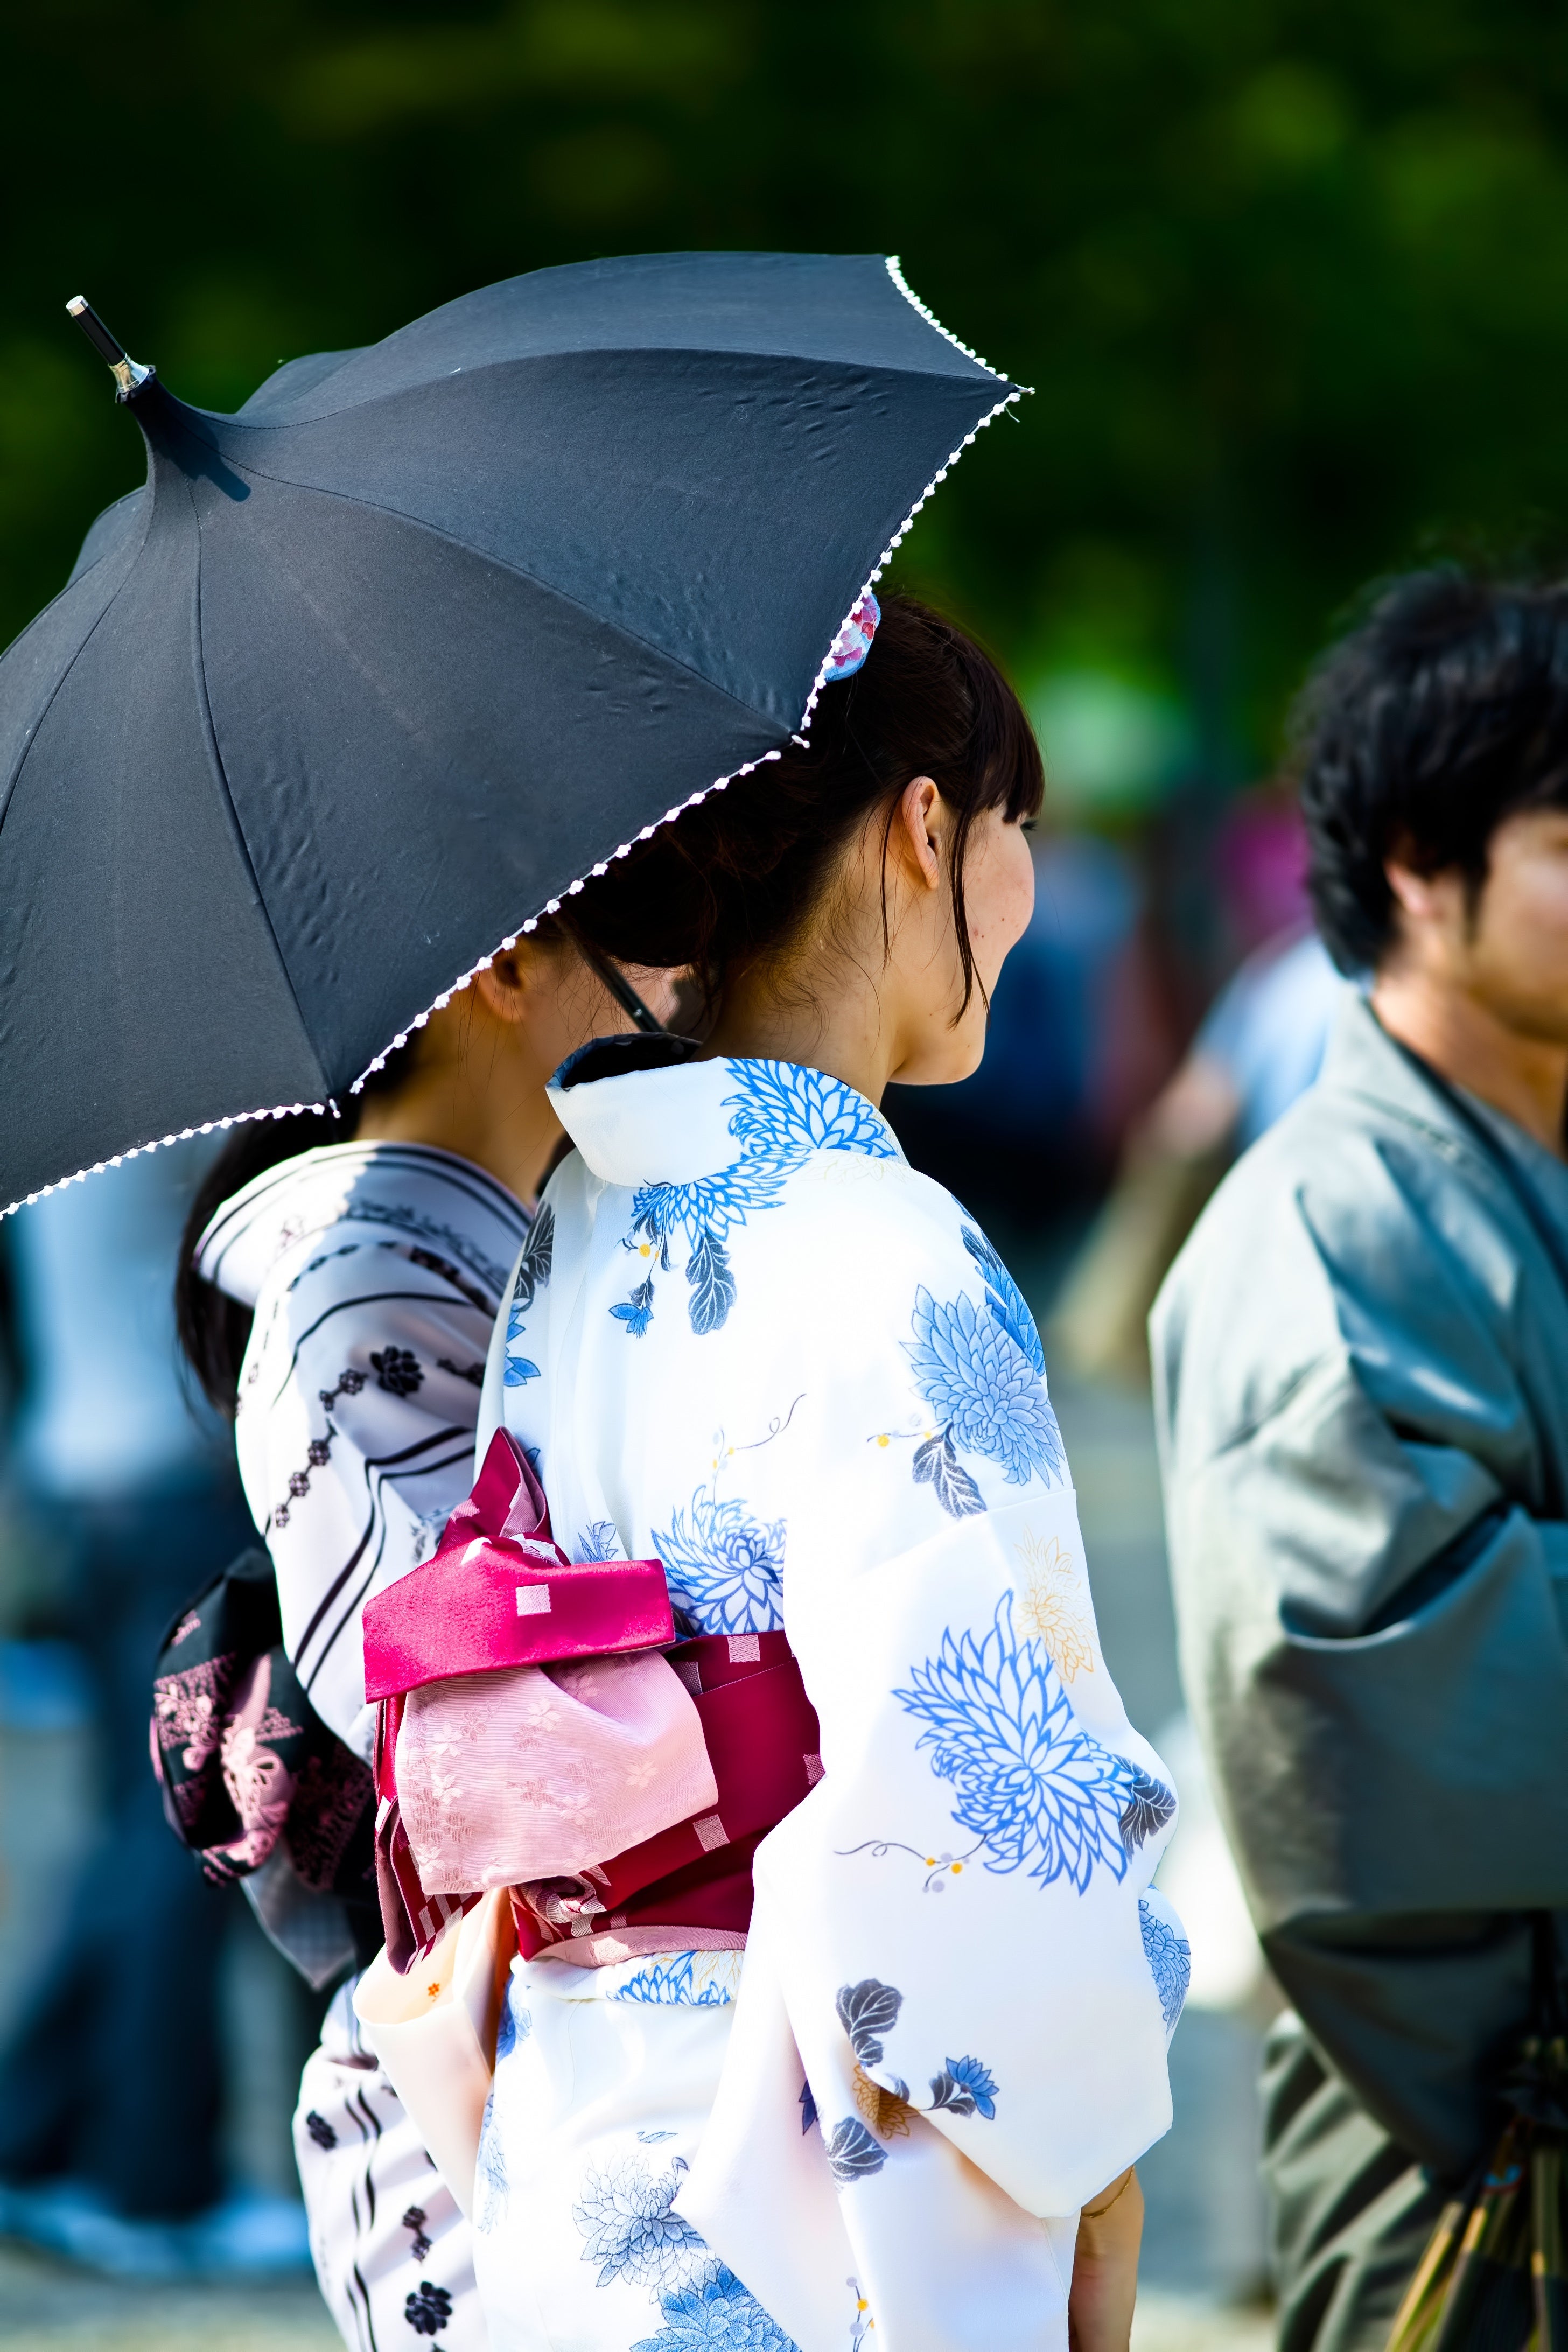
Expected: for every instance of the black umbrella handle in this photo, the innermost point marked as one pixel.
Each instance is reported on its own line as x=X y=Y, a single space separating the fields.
x=127 y=373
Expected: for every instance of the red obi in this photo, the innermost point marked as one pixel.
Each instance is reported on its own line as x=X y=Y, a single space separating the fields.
x=548 y=1733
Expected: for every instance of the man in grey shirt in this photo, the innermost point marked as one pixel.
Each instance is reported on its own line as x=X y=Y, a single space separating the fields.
x=1361 y=1363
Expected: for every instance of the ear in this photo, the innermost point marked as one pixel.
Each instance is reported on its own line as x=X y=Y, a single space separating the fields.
x=1418 y=895
x=917 y=826
x=506 y=987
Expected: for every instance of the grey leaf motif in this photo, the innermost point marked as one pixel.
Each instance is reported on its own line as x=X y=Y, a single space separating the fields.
x=867 y=2011
x=712 y=1284
x=1150 y=1805
x=534 y=1266
x=936 y=1465
x=852 y=2153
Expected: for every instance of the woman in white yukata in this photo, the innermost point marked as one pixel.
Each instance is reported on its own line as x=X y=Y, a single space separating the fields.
x=771 y=1355
x=338 y=1301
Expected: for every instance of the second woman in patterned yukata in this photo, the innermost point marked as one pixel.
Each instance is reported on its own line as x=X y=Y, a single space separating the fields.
x=908 y=2093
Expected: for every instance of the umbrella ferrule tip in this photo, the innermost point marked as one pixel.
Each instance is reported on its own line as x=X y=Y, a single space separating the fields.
x=129 y=374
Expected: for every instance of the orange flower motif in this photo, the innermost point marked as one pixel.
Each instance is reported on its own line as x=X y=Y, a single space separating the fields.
x=882 y=2111
x=1051 y=1606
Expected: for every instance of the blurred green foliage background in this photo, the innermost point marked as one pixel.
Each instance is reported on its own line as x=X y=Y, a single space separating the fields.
x=1289 y=276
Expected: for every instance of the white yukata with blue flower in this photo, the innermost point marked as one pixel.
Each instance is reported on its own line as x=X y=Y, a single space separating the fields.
x=756 y=1345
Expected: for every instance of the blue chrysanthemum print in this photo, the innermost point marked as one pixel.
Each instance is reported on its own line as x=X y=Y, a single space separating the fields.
x=1028 y=1779
x=1170 y=1958
x=491 y=2188
x=782 y=1110
x=672 y=1984
x=1006 y=1300
x=983 y=1388
x=781 y=1114
x=629 y=2225
x=724 y=1569
x=718 y=2312
x=515 y=2025
x=597 y=1541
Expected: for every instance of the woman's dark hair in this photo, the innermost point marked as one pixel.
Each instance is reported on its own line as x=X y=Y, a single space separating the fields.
x=735 y=878
x=740 y=876
x=1443 y=713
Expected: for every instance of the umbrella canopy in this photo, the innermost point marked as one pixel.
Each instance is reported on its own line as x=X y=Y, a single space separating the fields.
x=374 y=670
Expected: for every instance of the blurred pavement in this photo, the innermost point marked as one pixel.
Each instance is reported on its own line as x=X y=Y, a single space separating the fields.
x=43 y=2305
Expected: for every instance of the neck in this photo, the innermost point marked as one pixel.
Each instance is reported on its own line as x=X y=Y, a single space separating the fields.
x=842 y=1028
x=474 y=1105
x=1524 y=1077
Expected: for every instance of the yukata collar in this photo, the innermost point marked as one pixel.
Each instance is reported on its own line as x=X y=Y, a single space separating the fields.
x=647 y=1110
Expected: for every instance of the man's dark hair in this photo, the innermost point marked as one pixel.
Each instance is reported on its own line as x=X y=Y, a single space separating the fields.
x=1443 y=713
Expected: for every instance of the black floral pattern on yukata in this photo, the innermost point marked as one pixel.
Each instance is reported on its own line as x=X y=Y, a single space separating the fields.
x=321 y=2130
x=428 y=2311
x=319 y=1449
x=398 y=1370
x=415 y=2219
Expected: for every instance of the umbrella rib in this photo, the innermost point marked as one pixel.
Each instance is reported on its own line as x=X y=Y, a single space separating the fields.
x=237 y=833
x=14 y=778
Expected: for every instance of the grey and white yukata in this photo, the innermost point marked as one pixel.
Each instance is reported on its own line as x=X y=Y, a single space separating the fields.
x=374 y=1272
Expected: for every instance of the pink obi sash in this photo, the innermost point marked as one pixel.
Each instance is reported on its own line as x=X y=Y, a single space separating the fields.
x=529 y=1726
x=762 y=1736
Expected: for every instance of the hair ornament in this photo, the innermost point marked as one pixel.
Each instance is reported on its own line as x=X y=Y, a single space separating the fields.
x=853 y=643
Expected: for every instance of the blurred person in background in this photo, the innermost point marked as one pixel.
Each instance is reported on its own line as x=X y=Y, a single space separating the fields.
x=1361 y=1363
x=110 y=2084
x=1260 y=1046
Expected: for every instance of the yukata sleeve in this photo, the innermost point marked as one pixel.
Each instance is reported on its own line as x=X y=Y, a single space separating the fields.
x=359 y=1396
x=959 y=1918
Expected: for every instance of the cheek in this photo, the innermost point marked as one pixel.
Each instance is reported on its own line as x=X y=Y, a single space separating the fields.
x=1000 y=908
x=1525 y=925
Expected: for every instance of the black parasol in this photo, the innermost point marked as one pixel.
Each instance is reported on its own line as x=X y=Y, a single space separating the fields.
x=374 y=670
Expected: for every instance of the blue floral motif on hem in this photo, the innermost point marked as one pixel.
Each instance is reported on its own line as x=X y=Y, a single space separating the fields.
x=671 y=1984
x=629 y=2224
x=491 y=2187
x=724 y=1569
x=1029 y=1781
x=714 y=2311
x=516 y=2024
x=599 y=1540
x=965 y=2087
x=782 y=1114
x=1170 y=1958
